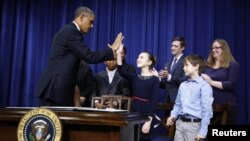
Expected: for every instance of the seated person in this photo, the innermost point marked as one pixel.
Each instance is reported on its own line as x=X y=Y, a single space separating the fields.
x=109 y=81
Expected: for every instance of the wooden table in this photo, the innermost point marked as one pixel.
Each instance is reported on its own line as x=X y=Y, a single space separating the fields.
x=80 y=125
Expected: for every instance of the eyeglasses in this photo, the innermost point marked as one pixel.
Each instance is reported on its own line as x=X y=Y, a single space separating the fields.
x=216 y=48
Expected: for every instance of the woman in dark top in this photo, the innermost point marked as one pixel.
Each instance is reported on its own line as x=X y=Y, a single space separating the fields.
x=145 y=89
x=222 y=73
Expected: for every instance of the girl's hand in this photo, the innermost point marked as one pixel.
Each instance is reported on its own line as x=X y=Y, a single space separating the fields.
x=146 y=127
x=170 y=121
x=119 y=54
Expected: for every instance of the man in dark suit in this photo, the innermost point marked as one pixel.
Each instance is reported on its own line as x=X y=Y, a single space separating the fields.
x=84 y=85
x=57 y=84
x=173 y=74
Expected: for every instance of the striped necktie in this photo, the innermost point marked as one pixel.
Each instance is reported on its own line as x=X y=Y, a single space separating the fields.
x=173 y=64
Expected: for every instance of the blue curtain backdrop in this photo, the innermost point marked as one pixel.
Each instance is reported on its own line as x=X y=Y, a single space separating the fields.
x=28 y=26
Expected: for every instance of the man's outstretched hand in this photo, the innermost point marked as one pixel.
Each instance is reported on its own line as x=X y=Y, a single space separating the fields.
x=118 y=41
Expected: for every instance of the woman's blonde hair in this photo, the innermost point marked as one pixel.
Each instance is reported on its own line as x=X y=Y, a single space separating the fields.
x=226 y=56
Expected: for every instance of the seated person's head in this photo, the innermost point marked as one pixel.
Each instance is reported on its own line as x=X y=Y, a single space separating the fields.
x=111 y=64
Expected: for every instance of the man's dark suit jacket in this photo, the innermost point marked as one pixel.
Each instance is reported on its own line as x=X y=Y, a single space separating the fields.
x=177 y=77
x=58 y=80
x=118 y=85
x=85 y=82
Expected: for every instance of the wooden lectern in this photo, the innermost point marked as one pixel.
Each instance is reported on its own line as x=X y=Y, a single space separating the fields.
x=80 y=125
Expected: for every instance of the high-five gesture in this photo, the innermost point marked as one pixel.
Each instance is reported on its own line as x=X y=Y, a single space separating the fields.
x=119 y=56
x=117 y=42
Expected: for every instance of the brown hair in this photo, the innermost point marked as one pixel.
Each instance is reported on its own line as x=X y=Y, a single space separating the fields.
x=196 y=59
x=226 y=56
x=151 y=58
x=181 y=40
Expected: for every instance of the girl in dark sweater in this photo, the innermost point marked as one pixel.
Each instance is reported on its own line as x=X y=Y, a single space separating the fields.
x=145 y=89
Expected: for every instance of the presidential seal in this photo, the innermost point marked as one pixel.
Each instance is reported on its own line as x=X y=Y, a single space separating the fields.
x=39 y=125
